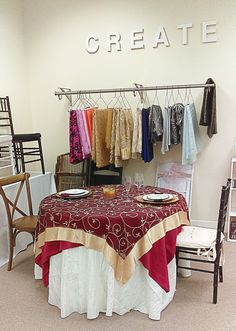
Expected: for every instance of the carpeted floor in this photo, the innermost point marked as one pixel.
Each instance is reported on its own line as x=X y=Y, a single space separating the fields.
x=24 y=306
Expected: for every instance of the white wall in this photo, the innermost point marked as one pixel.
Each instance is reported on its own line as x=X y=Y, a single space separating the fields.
x=55 y=34
x=13 y=69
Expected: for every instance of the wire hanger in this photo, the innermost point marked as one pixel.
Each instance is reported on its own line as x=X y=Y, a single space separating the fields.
x=126 y=101
x=74 y=103
x=119 y=102
x=146 y=100
x=113 y=99
x=167 y=98
x=87 y=101
x=171 y=100
x=156 y=99
x=179 y=97
x=100 y=98
x=190 y=96
x=186 y=96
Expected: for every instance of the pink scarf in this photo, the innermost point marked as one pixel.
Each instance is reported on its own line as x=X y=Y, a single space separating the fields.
x=82 y=132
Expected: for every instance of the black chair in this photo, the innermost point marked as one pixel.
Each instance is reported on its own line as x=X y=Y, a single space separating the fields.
x=27 y=147
x=206 y=244
x=105 y=175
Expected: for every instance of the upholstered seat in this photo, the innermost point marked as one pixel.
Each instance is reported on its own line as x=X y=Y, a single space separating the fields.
x=26 y=137
x=197 y=237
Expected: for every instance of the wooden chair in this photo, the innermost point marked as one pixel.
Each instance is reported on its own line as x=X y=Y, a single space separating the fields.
x=69 y=176
x=27 y=222
x=204 y=245
x=27 y=146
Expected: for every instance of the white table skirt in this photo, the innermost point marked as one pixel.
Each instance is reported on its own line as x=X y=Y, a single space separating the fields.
x=81 y=281
x=41 y=185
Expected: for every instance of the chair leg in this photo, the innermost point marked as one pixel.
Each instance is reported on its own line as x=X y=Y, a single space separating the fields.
x=11 y=248
x=215 y=282
x=221 y=274
x=22 y=156
x=16 y=154
x=41 y=156
x=177 y=260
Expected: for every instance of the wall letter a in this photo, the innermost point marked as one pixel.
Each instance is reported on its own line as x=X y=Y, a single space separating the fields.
x=161 y=38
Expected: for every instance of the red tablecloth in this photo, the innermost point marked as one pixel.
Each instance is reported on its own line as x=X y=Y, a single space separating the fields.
x=124 y=230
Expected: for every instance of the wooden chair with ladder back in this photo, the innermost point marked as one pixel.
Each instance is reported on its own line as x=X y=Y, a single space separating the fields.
x=27 y=147
x=204 y=245
x=18 y=219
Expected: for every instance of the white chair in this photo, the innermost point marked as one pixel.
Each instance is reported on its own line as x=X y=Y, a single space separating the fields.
x=177 y=177
x=203 y=245
x=7 y=166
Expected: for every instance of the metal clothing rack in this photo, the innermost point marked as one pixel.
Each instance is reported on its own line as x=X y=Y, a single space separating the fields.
x=138 y=88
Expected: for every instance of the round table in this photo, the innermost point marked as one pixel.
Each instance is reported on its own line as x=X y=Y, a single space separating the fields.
x=123 y=230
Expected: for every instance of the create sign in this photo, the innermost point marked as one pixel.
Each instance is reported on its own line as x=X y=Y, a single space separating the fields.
x=114 y=40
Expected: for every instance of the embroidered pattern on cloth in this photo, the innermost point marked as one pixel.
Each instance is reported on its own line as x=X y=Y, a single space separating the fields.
x=75 y=144
x=121 y=223
x=121 y=230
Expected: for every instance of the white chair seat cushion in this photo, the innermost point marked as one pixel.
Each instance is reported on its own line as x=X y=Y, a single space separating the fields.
x=197 y=237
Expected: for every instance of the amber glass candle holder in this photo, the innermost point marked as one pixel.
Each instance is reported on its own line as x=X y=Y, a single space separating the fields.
x=109 y=192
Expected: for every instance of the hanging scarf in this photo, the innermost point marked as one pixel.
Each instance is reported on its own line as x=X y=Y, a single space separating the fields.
x=147 y=147
x=155 y=124
x=208 y=113
x=82 y=134
x=75 y=145
x=100 y=153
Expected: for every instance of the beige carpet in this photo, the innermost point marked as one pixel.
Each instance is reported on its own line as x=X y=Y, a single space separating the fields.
x=24 y=306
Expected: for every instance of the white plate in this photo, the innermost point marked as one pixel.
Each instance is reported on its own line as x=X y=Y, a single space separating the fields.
x=157 y=197
x=65 y=195
x=74 y=191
